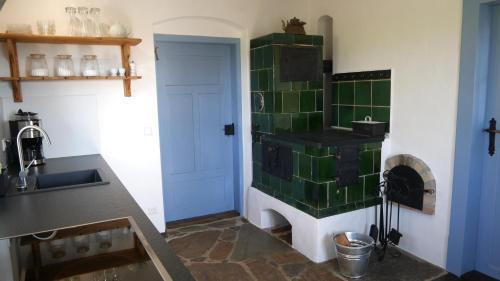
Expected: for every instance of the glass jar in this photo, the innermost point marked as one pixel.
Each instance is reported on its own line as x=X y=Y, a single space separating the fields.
x=57 y=248
x=89 y=65
x=81 y=243
x=95 y=21
x=74 y=24
x=63 y=66
x=37 y=66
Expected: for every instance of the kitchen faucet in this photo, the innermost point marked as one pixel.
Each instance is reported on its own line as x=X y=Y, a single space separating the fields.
x=23 y=172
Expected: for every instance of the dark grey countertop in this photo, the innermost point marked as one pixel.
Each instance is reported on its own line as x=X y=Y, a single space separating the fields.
x=328 y=137
x=44 y=211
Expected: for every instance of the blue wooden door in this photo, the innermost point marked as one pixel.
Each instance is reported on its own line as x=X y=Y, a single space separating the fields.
x=194 y=104
x=488 y=257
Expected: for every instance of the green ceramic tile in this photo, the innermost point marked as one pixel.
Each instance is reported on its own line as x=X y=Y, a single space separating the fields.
x=259 y=58
x=282 y=123
x=366 y=163
x=263 y=80
x=303 y=207
x=268 y=102
x=298 y=189
x=346 y=208
x=291 y=101
x=275 y=183
x=252 y=59
x=315 y=121
x=303 y=39
x=372 y=186
x=254 y=101
x=305 y=168
x=319 y=100
x=299 y=122
x=267 y=53
x=377 y=160
x=262 y=121
x=286 y=188
x=300 y=148
x=346 y=93
x=307 y=101
x=355 y=192
x=328 y=212
x=374 y=146
x=381 y=93
x=316 y=194
x=283 y=38
x=278 y=102
x=346 y=115
x=299 y=85
x=335 y=93
x=337 y=195
x=276 y=56
x=381 y=114
x=270 y=79
x=295 y=157
x=335 y=115
x=254 y=80
x=333 y=150
x=317 y=40
x=315 y=85
x=257 y=174
x=257 y=151
x=362 y=93
x=360 y=112
x=323 y=168
x=265 y=178
x=318 y=152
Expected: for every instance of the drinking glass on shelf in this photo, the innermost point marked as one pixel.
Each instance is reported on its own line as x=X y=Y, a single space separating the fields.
x=46 y=27
x=74 y=24
x=104 y=239
x=95 y=21
x=83 y=15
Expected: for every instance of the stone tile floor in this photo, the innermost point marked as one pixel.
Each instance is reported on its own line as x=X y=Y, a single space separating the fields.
x=234 y=249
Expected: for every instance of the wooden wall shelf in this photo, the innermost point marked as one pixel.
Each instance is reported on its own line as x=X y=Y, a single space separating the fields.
x=11 y=40
x=50 y=39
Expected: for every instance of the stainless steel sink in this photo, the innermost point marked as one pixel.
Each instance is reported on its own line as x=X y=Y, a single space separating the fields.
x=70 y=179
x=56 y=181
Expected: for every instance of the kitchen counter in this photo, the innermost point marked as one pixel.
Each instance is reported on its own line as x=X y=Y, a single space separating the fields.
x=326 y=138
x=44 y=211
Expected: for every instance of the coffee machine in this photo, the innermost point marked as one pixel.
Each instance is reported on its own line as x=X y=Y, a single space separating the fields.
x=31 y=140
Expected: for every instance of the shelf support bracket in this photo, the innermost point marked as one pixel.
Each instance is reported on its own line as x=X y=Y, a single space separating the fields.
x=127 y=91
x=14 y=70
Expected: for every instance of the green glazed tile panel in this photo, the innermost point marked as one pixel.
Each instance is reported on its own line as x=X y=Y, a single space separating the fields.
x=353 y=100
x=313 y=188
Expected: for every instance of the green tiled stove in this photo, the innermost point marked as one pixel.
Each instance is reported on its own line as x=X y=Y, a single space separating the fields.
x=295 y=159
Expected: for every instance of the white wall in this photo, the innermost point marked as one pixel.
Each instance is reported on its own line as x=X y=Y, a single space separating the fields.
x=419 y=41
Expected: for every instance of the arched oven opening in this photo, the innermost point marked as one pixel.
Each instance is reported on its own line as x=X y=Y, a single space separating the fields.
x=410 y=183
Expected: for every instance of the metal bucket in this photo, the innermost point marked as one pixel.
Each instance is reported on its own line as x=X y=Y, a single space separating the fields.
x=353 y=261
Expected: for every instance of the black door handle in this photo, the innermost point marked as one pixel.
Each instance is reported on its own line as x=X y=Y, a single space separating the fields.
x=492 y=131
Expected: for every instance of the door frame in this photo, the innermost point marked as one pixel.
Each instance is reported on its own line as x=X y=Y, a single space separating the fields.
x=470 y=147
x=235 y=45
